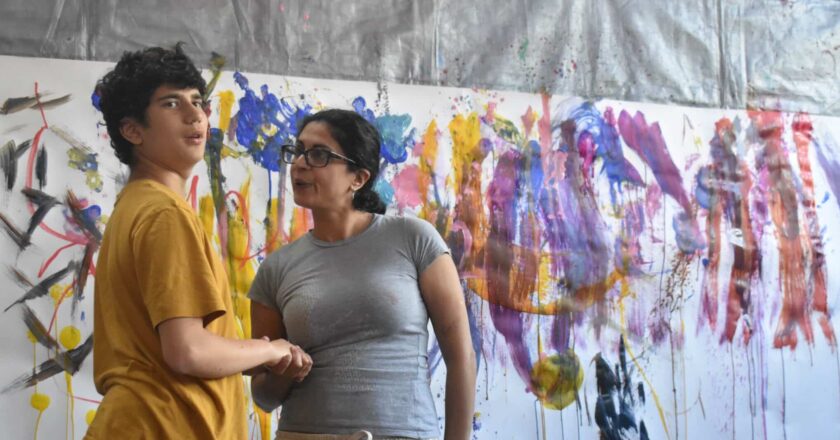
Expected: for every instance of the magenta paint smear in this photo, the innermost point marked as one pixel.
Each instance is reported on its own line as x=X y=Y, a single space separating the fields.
x=406 y=190
x=577 y=235
x=500 y=258
x=647 y=141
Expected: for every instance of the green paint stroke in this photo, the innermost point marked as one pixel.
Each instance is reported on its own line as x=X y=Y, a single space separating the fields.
x=523 y=49
x=85 y=161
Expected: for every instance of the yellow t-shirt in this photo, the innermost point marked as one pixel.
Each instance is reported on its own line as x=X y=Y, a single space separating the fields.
x=156 y=262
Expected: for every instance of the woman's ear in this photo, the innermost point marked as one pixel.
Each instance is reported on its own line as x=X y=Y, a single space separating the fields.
x=362 y=176
x=130 y=130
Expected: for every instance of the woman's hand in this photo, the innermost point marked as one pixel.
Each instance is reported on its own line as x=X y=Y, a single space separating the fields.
x=294 y=365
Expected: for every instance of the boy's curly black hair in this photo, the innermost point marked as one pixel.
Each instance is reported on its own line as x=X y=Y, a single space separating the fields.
x=125 y=92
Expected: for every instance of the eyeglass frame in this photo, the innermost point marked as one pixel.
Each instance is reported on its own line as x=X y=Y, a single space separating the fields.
x=298 y=152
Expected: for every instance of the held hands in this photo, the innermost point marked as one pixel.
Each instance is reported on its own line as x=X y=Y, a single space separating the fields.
x=291 y=362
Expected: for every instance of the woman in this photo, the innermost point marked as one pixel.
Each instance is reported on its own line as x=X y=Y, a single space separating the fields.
x=356 y=293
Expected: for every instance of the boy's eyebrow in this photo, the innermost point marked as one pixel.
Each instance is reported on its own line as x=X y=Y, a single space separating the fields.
x=195 y=95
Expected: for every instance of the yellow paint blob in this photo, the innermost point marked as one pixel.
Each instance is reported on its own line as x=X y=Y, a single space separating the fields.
x=31 y=337
x=40 y=401
x=90 y=415
x=207 y=213
x=226 y=99
x=273 y=236
x=556 y=379
x=427 y=167
x=57 y=290
x=70 y=337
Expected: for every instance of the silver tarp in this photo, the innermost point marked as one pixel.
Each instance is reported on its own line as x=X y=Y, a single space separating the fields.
x=732 y=54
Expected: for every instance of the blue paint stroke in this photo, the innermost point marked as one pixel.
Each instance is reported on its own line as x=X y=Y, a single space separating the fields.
x=396 y=134
x=264 y=122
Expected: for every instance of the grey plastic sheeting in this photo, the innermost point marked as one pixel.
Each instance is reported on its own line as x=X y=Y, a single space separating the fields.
x=731 y=54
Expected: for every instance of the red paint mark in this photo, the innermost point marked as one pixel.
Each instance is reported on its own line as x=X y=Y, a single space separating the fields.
x=87 y=400
x=729 y=187
x=49 y=261
x=784 y=213
x=802 y=130
x=191 y=194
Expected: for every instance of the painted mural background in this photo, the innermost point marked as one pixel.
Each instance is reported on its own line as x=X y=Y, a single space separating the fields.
x=631 y=270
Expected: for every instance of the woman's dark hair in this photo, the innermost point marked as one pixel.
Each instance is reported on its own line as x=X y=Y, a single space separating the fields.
x=361 y=142
x=125 y=92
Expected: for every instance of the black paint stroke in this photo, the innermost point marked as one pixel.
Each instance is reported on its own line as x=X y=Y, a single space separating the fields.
x=614 y=385
x=69 y=361
x=9 y=155
x=13 y=105
x=43 y=287
x=44 y=203
x=20 y=279
x=41 y=167
x=55 y=102
x=82 y=274
x=38 y=330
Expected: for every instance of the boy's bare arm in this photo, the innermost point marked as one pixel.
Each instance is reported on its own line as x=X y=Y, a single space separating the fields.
x=189 y=348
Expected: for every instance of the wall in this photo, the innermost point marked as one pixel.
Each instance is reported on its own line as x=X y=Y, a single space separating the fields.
x=634 y=270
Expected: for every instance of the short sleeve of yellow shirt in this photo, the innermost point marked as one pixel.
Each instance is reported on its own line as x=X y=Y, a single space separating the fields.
x=155 y=263
x=174 y=275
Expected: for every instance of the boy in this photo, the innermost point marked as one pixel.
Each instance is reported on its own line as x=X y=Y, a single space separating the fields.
x=166 y=354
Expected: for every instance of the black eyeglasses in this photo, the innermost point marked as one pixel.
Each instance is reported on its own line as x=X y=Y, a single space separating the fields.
x=315 y=157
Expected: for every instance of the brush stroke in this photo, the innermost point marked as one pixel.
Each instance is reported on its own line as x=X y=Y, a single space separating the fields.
x=9 y=155
x=44 y=203
x=38 y=330
x=67 y=361
x=43 y=287
x=81 y=219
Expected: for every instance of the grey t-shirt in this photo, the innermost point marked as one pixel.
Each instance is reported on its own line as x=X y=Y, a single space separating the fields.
x=355 y=307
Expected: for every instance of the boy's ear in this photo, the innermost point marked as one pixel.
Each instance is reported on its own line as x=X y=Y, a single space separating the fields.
x=130 y=130
x=362 y=176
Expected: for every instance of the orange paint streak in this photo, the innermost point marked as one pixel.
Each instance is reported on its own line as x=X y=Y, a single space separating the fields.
x=784 y=214
x=802 y=136
x=745 y=265
x=469 y=210
x=301 y=223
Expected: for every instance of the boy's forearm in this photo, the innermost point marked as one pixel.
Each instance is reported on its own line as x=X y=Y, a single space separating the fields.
x=214 y=356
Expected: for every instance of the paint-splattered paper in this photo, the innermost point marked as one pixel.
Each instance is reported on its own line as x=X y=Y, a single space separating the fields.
x=631 y=270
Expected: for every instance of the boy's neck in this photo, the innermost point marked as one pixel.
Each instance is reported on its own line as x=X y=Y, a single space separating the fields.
x=170 y=179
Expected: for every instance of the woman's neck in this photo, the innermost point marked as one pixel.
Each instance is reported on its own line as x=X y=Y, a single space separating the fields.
x=339 y=225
